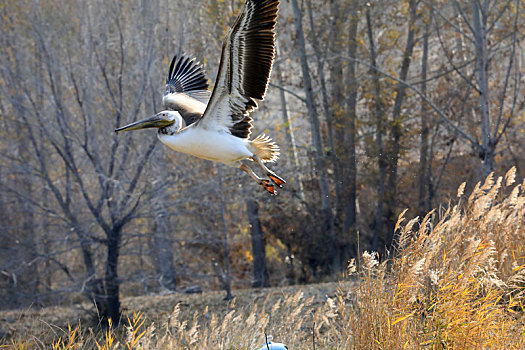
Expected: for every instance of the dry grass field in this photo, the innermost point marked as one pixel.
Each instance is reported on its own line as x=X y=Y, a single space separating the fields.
x=457 y=282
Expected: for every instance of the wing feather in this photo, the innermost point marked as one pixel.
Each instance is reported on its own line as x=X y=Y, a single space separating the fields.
x=185 y=74
x=186 y=88
x=244 y=70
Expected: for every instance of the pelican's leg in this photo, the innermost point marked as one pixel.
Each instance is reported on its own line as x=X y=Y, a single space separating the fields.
x=276 y=179
x=263 y=182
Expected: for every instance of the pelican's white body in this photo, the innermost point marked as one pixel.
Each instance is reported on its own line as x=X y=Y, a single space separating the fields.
x=211 y=144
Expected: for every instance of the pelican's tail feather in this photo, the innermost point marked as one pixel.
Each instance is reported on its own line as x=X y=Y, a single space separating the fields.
x=264 y=148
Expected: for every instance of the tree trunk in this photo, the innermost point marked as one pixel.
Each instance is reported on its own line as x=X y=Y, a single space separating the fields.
x=423 y=171
x=396 y=130
x=289 y=132
x=479 y=21
x=163 y=248
x=163 y=252
x=290 y=275
x=350 y=174
x=111 y=308
x=380 y=152
x=260 y=273
x=336 y=117
x=334 y=127
x=226 y=278
x=319 y=158
x=27 y=250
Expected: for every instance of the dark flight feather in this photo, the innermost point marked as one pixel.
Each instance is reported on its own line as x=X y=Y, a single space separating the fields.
x=185 y=75
x=246 y=63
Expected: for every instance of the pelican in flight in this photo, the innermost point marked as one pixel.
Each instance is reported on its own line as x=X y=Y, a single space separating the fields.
x=218 y=128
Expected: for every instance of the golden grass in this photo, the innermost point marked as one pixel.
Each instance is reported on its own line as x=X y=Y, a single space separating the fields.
x=457 y=282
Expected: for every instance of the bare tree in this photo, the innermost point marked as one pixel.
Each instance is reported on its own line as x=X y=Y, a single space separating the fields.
x=260 y=273
x=350 y=127
x=424 y=173
x=163 y=227
x=319 y=157
x=289 y=130
x=77 y=129
x=482 y=21
x=379 y=133
x=396 y=130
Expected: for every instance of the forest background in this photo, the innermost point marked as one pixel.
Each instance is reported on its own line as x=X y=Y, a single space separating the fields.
x=377 y=106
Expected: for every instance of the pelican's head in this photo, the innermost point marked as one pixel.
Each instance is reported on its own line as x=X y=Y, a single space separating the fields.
x=168 y=121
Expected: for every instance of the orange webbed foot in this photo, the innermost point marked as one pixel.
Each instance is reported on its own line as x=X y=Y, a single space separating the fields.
x=277 y=180
x=269 y=187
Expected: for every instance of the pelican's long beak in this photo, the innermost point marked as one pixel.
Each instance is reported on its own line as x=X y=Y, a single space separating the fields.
x=156 y=121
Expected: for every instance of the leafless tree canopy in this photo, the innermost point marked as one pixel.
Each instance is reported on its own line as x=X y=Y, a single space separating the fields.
x=377 y=106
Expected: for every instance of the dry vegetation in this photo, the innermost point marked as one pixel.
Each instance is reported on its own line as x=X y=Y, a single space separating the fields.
x=457 y=282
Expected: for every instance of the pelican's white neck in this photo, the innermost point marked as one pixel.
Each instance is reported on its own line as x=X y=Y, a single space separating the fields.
x=178 y=123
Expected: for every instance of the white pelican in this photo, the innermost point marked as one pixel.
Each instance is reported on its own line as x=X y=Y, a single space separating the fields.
x=220 y=129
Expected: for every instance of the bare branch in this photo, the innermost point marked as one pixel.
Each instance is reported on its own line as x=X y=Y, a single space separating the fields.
x=439 y=112
x=496 y=137
x=445 y=18
x=302 y=99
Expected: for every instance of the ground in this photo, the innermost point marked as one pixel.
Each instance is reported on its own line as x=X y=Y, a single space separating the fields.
x=32 y=322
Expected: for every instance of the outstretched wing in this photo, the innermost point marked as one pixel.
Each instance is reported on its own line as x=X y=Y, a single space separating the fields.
x=186 y=88
x=244 y=71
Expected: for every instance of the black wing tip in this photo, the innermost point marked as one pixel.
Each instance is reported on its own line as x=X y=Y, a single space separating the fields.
x=186 y=74
x=260 y=51
x=175 y=62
